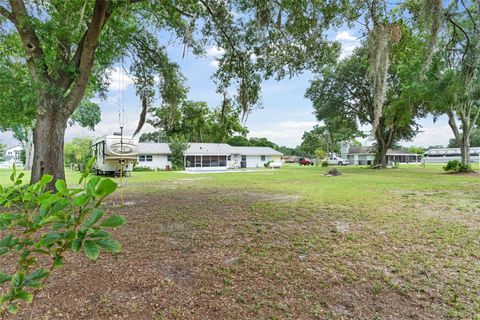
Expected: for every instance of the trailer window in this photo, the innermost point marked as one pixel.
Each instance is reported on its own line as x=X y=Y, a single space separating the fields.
x=149 y=158
x=141 y=158
x=262 y=158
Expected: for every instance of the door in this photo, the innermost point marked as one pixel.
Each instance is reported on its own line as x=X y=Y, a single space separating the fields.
x=243 y=163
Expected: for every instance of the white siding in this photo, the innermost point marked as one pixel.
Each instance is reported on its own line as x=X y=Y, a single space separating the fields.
x=445 y=159
x=159 y=161
x=256 y=161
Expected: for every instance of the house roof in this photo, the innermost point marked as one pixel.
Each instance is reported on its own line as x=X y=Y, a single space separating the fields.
x=353 y=150
x=450 y=151
x=207 y=148
x=153 y=148
x=254 y=151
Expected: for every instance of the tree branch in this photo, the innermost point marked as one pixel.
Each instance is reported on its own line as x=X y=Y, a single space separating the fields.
x=7 y=14
x=31 y=43
x=84 y=56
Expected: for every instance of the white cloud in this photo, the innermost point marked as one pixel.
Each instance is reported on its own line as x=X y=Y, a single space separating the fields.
x=304 y=125
x=287 y=133
x=432 y=135
x=345 y=36
x=348 y=42
x=215 y=51
x=214 y=63
x=119 y=79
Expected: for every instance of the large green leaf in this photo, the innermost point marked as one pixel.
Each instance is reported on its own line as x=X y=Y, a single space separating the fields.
x=61 y=187
x=4 y=277
x=36 y=275
x=25 y=296
x=81 y=200
x=105 y=187
x=113 y=222
x=17 y=279
x=109 y=245
x=91 y=249
x=95 y=216
x=46 y=178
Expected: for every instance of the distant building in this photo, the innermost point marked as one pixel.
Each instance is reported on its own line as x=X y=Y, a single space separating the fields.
x=366 y=155
x=11 y=157
x=443 y=155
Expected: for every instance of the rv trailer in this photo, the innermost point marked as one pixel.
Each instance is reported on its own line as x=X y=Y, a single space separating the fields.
x=114 y=155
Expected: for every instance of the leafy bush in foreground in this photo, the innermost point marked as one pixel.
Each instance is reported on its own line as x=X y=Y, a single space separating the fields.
x=457 y=166
x=38 y=227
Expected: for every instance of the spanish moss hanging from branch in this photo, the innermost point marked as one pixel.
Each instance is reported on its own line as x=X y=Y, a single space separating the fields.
x=433 y=16
x=379 y=47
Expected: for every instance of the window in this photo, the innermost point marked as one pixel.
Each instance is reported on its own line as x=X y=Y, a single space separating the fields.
x=206 y=161
x=222 y=161
x=262 y=158
x=169 y=157
x=229 y=158
x=190 y=161
x=143 y=158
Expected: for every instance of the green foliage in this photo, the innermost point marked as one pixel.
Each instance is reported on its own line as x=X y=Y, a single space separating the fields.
x=320 y=153
x=195 y=122
x=156 y=136
x=87 y=115
x=142 y=169
x=178 y=145
x=2 y=151
x=456 y=166
x=416 y=150
x=344 y=92
x=242 y=141
x=474 y=139
x=328 y=137
x=38 y=223
x=324 y=164
x=267 y=164
x=78 y=151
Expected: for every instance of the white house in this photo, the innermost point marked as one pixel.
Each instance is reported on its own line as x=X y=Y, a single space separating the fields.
x=366 y=155
x=207 y=156
x=12 y=156
x=444 y=155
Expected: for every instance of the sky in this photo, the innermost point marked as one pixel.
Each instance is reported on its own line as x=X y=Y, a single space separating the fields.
x=283 y=117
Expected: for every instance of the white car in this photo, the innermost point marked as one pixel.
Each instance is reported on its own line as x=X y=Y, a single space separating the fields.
x=275 y=164
x=337 y=161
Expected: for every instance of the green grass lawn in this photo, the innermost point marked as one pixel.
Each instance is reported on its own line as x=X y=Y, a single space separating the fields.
x=294 y=244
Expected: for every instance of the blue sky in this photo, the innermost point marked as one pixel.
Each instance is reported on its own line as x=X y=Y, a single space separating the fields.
x=284 y=116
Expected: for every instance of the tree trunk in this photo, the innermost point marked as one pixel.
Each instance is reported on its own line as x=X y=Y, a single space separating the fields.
x=383 y=143
x=28 y=147
x=48 y=139
x=465 y=150
x=381 y=155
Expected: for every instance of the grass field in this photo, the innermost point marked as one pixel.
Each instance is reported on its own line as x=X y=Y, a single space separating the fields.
x=283 y=244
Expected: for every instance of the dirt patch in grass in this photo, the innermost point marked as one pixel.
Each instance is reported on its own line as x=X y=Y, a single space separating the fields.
x=216 y=254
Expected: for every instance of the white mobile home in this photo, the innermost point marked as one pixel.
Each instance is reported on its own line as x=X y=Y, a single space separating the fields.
x=444 y=155
x=114 y=154
x=207 y=156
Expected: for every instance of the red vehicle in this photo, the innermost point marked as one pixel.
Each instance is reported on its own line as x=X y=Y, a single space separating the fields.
x=306 y=162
